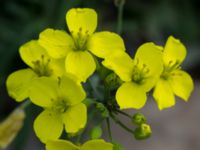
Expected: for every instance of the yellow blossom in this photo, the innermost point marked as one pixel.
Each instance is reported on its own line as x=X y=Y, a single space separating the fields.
x=173 y=80
x=77 y=46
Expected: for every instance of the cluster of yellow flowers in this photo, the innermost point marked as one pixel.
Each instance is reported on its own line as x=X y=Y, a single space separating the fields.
x=59 y=63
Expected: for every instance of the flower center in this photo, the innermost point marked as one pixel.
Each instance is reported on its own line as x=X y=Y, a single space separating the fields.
x=80 y=40
x=60 y=106
x=169 y=68
x=140 y=72
x=41 y=66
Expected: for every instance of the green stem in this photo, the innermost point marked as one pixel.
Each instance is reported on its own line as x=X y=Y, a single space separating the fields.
x=123 y=113
x=121 y=124
x=109 y=129
x=120 y=5
x=25 y=104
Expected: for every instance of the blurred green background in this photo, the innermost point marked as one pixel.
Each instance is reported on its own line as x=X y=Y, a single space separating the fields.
x=143 y=21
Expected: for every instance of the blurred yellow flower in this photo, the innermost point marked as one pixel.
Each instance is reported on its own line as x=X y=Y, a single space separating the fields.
x=10 y=127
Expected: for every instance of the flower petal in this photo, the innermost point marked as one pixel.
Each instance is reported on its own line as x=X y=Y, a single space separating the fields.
x=81 y=64
x=75 y=118
x=48 y=126
x=121 y=63
x=71 y=90
x=182 y=84
x=31 y=52
x=97 y=145
x=151 y=56
x=57 y=42
x=163 y=94
x=61 y=145
x=84 y=19
x=104 y=44
x=131 y=95
x=43 y=91
x=58 y=67
x=174 y=51
x=18 y=84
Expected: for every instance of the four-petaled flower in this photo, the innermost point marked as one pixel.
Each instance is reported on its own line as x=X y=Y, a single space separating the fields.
x=40 y=63
x=139 y=75
x=173 y=80
x=62 y=106
x=76 y=48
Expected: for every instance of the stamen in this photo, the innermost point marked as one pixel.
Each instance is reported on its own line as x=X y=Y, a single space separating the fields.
x=140 y=74
x=41 y=67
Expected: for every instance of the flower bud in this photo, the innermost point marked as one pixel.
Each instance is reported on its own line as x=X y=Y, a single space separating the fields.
x=117 y=146
x=96 y=132
x=113 y=81
x=142 y=132
x=138 y=119
x=104 y=111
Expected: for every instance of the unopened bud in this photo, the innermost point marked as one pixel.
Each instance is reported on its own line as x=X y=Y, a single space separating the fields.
x=117 y=146
x=104 y=111
x=96 y=132
x=142 y=132
x=138 y=119
x=113 y=81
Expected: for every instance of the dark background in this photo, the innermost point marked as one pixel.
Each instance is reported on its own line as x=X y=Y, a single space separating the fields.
x=143 y=21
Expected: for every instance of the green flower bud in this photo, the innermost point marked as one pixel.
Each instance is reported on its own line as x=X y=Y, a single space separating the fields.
x=142 y=132
x=96 y=132
x=117 y=146
x=138 y=119
x=113 y=81
x=104 y=111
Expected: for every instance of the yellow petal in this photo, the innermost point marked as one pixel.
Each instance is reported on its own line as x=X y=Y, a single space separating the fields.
x=71 y=90
x=151 y=56
x=104 y=44
x=75 y=118
x=97 y=145
x=57 y=42
x=48 y=126
x=31 y=52
x=61 y=145
x=81 y=64
x=174 y=51
x=131 y=95
x=121 y=63
x=44 y=91
x=58 y=67
x=182 y=84
x=18 y=84
x=163 y=94
x=81 y=19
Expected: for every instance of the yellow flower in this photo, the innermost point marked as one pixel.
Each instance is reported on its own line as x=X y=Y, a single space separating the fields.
x=89 y=145
x=62 y=106
x=173 y=80
x=139 y=75
x=76 y=48
x=40 y=64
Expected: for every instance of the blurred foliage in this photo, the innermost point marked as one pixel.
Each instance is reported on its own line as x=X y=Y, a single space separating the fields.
x=144 y=20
